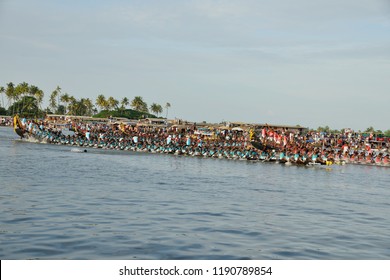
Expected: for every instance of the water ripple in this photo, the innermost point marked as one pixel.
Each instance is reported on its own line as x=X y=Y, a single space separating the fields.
x=113 y=205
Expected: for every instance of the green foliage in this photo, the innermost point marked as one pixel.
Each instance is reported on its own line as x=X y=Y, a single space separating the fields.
x=328 y=130
x=3 y=111
x=27 y=99
x=323 y=129
x=124 y=102
x=61 y=110
x=27 y=106
x=101 y=102
x=48 y=110
x=374 y=131
x=113 y=103
x=82 y=107
x=54 y=100
x=156 y=108
x=127 y=113
x=387 y=133
x=138 y=104
x=167 y=106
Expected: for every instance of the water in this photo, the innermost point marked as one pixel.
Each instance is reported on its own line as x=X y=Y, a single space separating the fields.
x=56 y=204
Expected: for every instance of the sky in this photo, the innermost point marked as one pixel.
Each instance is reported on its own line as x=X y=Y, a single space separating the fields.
x=303 y=62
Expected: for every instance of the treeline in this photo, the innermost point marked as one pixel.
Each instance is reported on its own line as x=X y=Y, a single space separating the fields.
x=368 y=130
x=27 y=100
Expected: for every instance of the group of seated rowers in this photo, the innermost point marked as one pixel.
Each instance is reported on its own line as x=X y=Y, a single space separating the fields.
x=230 y=146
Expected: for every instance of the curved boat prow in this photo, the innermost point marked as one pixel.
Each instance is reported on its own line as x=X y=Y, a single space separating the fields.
x=20 y=132
x=18 y=126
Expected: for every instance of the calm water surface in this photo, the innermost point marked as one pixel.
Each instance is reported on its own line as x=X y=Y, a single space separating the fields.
x=56 y=204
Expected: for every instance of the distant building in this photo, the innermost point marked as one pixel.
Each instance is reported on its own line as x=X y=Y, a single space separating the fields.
x=294 y=128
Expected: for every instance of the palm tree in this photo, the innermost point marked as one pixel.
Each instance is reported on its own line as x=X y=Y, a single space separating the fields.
x=80 y=107
x=159 y=109
x=153 y=108
x=37 y=93
x=139 y=104
x=88 y=106
x=73 y=106
x=106 y=105
x=2 y=90
x=53 y=100
x=156 y=108
x=101 y=101
x=27 y=106
x=124 y=102
x=65 y=98
x=167 y=106
x=58 y=90
x=21 y=90
x=113 y=103
x=10 y=93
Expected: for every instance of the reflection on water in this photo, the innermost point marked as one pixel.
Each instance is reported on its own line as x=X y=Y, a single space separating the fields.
x=56 y=204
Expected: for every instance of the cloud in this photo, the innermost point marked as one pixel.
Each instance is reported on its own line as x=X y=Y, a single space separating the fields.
x=226 y=9
x=242 y=57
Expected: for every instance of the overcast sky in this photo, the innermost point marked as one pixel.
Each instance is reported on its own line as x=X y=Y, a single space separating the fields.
x=307 y=62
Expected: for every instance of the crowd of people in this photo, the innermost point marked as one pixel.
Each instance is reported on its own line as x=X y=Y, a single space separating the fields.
x=264 y=144
x=5 y=121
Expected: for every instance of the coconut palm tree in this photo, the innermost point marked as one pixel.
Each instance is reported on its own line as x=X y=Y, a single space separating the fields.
x=10 y=93
x=2 y=90
x=37 y=93
x=21 y=90
x=53 y=100
x=74 y=106
x=88 y=106
x=27 y=105
x=124 y=102
x=159 y=109
x=65 y=98
x=39 y=96
x=58 y=90
x=153 y=108
x=139 y=104
x=101 y=101
x=106 y=105
x=82 y=107
x=167 y=106
x=113 y=103
x=156 y=108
